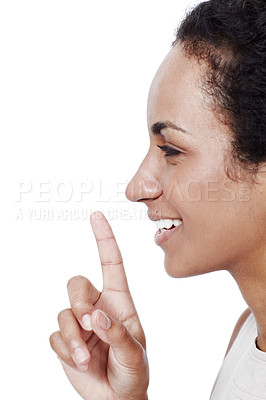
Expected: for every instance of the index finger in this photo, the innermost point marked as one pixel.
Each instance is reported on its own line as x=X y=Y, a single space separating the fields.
x=114 y=276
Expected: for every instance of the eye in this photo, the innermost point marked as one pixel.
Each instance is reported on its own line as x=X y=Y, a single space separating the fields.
x=169 y=151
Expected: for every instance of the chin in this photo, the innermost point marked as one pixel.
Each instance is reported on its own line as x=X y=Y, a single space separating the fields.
x=176 y=269
x=179 y=269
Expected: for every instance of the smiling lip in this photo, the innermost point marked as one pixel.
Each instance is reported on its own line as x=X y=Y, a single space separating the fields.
x=161 y=237
x=156 y=217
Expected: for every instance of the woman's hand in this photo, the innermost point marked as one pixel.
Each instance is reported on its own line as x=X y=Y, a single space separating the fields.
x=101 y=343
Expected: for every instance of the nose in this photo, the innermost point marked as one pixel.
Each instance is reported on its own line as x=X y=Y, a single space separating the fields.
x=145 y=184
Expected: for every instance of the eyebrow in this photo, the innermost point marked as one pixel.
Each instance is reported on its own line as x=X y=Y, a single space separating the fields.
x=160 y=125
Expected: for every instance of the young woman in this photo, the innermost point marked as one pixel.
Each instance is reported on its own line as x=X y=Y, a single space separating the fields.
x=207 y=128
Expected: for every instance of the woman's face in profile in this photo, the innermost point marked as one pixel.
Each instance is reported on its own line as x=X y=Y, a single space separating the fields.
x=191 y=184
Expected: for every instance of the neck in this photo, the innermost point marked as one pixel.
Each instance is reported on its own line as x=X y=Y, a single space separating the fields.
x=251 y=279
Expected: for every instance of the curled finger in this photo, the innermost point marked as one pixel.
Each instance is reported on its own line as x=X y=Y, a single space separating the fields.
x=82 y=296
x=60 y=348
x=73 y=339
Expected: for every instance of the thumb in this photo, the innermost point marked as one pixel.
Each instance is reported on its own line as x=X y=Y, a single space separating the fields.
x=127 y=350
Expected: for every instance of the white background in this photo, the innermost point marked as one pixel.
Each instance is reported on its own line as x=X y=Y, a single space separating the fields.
x=74 y=82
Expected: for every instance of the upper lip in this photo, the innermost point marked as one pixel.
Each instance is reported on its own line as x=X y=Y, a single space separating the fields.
x=156 y=217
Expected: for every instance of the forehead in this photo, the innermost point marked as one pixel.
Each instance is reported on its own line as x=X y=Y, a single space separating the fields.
x=176 y=95
x=175 y=90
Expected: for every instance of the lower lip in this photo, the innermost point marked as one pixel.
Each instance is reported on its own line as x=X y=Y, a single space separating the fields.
x=161 y=237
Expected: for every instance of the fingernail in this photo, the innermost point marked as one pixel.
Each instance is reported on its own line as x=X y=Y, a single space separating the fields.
x=86 y=322
x=103 y=321
x=80 y=355
x=96 y=215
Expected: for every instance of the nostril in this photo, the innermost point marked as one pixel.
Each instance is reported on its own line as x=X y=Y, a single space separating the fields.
x=143 y=199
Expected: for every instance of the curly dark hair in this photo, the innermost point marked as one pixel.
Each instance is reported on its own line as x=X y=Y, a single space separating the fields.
x=230 y=36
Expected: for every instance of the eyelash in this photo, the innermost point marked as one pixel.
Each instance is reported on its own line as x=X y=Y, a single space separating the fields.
x=169 y=151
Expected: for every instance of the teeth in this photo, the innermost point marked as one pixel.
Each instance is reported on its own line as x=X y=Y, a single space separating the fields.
x=167 y=223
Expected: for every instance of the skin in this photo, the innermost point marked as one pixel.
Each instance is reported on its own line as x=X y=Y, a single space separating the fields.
x=115 y=365
x=224 y=221
x=223 y=229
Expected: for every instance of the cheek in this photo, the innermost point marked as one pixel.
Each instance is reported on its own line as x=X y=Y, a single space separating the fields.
x=215 y=212
x=209 y=207
x=216 y=234
x=196 y=185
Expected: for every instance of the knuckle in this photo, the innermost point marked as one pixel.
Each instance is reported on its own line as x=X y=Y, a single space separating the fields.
x=75 y=280
x=135 y=348
x=54 y=339
x=63 y=314
x=79 y=307
x=143 y=341
x=139 y=355
x=77 y=304
x=140 y=336
x=123 y=335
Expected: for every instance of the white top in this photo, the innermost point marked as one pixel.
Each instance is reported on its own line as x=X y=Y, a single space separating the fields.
x=242 y=375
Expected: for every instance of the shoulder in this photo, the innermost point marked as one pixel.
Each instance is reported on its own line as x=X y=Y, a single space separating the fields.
x=243 y=317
